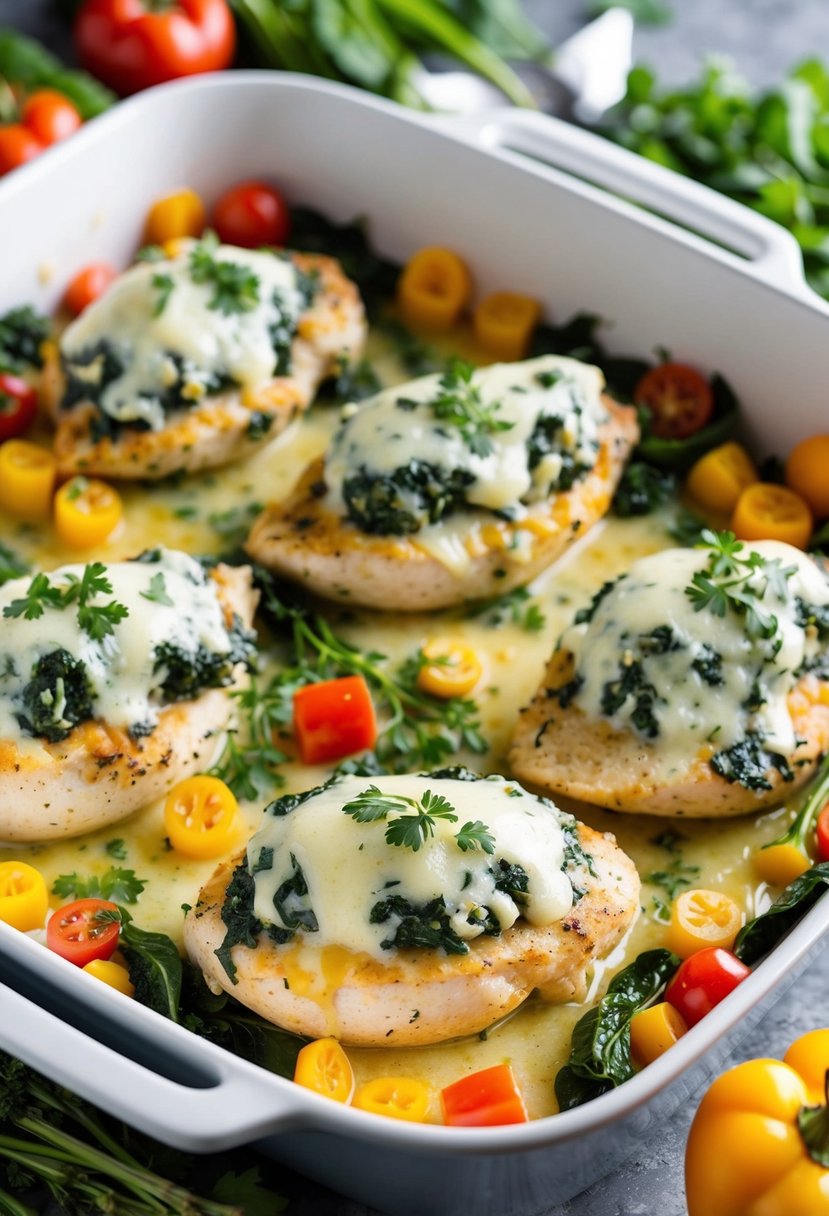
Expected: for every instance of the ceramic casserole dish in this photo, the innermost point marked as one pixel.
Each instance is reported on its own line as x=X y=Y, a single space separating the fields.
x=563 y=216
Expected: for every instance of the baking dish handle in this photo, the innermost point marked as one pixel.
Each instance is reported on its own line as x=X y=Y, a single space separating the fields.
x=772 y=253
x=231 y=1105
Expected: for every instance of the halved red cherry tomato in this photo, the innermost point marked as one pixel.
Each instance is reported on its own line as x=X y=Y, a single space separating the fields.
x=18 y=406
x=50 y=116
x=703 y=980
x=87 y=286
x=679 y=399
x=823 y=834
x=17 y=146
x=252 y=214
x=132 y=44
x=84 y=930
x=485 y=1099
x=333 y=719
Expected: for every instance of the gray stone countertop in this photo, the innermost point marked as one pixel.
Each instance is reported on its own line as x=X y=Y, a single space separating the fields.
x=764 y=38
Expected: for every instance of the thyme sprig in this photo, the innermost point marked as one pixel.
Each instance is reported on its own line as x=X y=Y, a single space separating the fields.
x=460 y=404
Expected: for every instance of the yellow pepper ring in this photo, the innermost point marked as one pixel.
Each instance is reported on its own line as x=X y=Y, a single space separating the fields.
x=702 y=918
x=654 y=1030
x=86 y=512
x=177 y=215
x=24 y=900
x=27 y=479
x=780 y=864
x=452 y=669
x=113 y=974
x=404 y=1098
x=433 y=289
x=323 y=1067
x=201 y=816
x=504 y=324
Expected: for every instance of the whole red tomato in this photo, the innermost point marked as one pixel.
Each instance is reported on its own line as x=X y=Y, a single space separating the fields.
x=130 y=46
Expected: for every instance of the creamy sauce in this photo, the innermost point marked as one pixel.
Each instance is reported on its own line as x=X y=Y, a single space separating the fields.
x=536 y=1039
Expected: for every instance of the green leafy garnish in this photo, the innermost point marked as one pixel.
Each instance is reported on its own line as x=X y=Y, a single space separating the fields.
x=414 y=821
x=460 y=404
x=157 y=591
x=235 y=287
x=116 y=849
x=516 y=606
x=96 y=620
x=736 y=580
x=116 y=884
x=163 y=284
x=475 y=835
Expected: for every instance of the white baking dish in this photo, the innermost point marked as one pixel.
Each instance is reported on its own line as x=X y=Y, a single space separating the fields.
x=528 y=202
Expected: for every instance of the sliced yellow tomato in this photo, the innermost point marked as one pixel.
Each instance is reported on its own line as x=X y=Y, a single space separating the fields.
x=201 y=817
x=324 y=1067
x=27 y=479
x=87 y=511
x=719 y=477
x=24 y=900
x=781 y=864
x=113 y=974
x=434 y=289
x=654 y=1030
x=701 y=918
x=404 y=1098
x=765 y=511
x=806 y=473
x=504 y=324
x=177 y=215
x=452 y=669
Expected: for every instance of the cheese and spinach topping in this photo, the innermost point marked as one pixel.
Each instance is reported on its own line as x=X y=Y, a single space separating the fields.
x=169 y=332
x=431 y=861
x=114 y=643
x=497 y=439
x=702 y=646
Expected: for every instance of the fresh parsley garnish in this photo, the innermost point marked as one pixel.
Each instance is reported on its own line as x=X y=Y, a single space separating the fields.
x=96 y=620
x=516 y=606
x=40 y=594
x=119 y=885
x=475 y=835
x=235 y=287
x=737 y=580
x=414 y=821
x=163 y=284
x=116 y=849
x=157 y=591
x=460 y=404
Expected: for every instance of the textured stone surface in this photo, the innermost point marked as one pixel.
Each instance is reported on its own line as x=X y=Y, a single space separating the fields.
x=764 y=37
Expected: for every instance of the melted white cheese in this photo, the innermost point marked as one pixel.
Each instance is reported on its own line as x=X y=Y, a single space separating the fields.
x=238 y=345
x=384 y=435
x=690 y=710
x=349 y=867
x=120 y=667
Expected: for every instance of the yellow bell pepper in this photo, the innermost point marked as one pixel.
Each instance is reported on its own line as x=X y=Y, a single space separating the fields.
x=27 y=479
x=176 y=215
x=759 y=1143
x=433 y=289
x=504 y=324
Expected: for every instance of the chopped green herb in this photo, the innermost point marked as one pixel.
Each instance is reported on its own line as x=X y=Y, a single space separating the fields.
x=116 y=849
x=163 y=284
x=119 y=885
x=460 y=404
x=235 y=287
x=157 y=592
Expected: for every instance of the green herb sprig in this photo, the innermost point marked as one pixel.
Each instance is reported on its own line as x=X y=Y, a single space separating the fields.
x=120 y=885
x=414 y=821
x=738 y=581
x=235 y=287
x=460 y=404
x=96 y=620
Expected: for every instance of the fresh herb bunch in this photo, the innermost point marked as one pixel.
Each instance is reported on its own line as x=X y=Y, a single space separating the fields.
x=738 y=580
x=96 y=620
x=118 y=884
x=459 y=403
x=414 y=819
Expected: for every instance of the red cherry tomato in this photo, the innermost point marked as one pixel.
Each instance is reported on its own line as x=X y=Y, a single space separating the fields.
x=252 y=214
x=823 y=834
x=679 y=399
x=50 y=116
x=703 y=980
x=87 y=285
x=84 y=931
x=18 y=406
x=132 y=44
x=17 y=146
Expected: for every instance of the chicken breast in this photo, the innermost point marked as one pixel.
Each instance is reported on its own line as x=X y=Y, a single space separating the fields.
x=471 y=554
x=415 y=996
x=707 y=720
x=97 y=772
x=140 y=394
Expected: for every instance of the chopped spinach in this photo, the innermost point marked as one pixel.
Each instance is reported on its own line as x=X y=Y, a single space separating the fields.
x=375 y=276
x=631 y=682
x=57 y=697
x=405 y=500
x=748 y=763
x=424 y=925
x=585 y=615
x=88 y=374
x=241 y=926
x=22 y=331
x=546 y=438
x=292 y=905
x=642 y=490
x=187 y=673
x=708 y=665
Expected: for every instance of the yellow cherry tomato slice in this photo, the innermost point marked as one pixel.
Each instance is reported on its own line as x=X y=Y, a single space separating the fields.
x=404 y=1098
x=781 y=864
x=176 y=215
x=452 y=670
x=719 y=477
x=433 y=289
x=324 y=1067
x=701 y=918
x=86 y=512
x=806 y=473
x=113 y=974
x=24 y=900
x=765 y=511
x=654 y=1030
x=201 y=817
x=504 y=324
x=27 y=479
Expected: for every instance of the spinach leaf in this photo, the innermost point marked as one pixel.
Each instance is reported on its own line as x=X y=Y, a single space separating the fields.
x=763 y=933
x=242 y=927
x=642 y=490
x=600 y=1047
x=375 y=275
x=154 y=965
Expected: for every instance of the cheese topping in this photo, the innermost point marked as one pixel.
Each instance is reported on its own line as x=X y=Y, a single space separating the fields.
x=499 y=439
x=653 y=658
x=171 y=638
x=166 y=333
x=317 y=868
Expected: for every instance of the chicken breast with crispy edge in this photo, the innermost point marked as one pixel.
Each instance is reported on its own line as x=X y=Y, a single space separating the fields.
x=363 y=1001
x=98 y=774
x=219 y=428
x=304 y=540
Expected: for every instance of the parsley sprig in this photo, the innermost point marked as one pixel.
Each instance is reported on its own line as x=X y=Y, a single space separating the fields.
x=96 y=620
x=459 y=403
x=235 y=286
x=120 y=885
x=157 y=591
x=414 y=819
x=739 y=581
